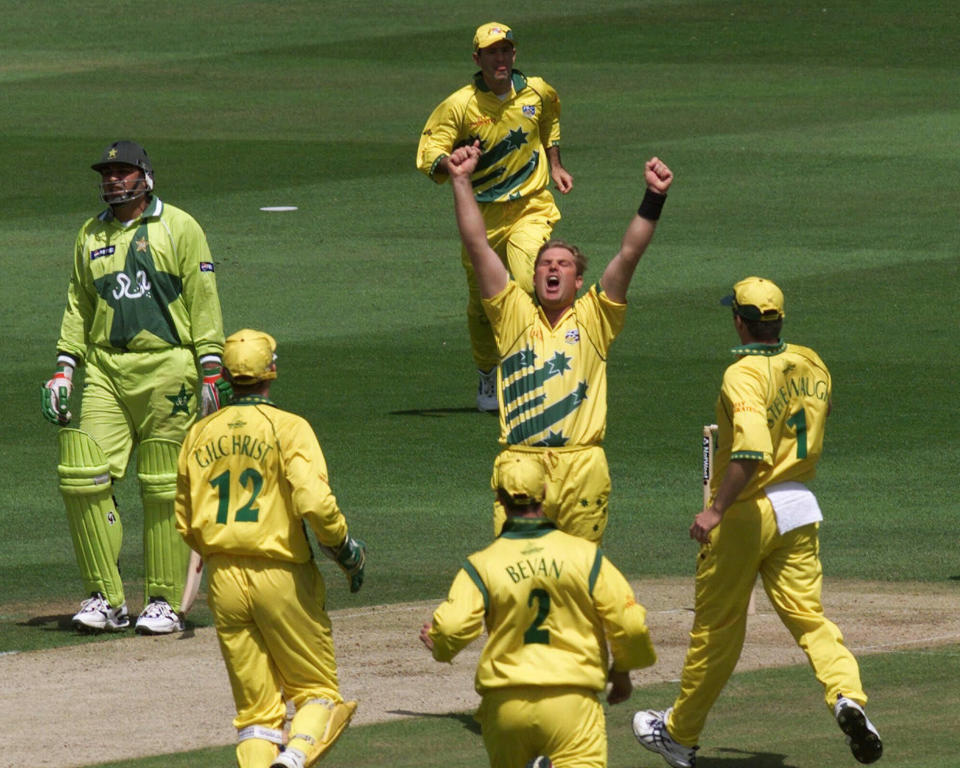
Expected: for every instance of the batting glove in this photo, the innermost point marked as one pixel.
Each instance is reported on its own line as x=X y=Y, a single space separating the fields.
x=55 y=397
x=351 y=556
x=215 y=392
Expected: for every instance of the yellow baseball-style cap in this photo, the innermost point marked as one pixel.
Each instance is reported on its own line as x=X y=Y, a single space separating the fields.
x=491 y=33
x=249 y=355
x=522 y=479
x=756 y=298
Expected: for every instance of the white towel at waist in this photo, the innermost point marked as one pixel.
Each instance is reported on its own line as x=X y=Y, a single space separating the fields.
x=794 y=505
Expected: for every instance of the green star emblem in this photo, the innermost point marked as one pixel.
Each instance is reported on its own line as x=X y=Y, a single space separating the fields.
x=181 y=401
x=581 y=393
x=517 y=138
x=558 y=364
x=140 y=296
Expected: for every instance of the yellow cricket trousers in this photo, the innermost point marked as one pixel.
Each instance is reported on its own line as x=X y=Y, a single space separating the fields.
x=747 y=542
x=565 y=723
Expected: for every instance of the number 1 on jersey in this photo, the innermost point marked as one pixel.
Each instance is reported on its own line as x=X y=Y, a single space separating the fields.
x=799 y=422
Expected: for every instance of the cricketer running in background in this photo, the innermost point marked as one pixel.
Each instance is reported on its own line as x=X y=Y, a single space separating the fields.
x=516 y=120
x=552 y=374
x=250 y=477
x=551 y=603
x=761 y=518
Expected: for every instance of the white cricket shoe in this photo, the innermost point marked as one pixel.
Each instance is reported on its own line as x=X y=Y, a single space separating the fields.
x=487 y=391
x=289 y=758
x=862 y=737
x=97 y=615
x=650 y=728
x=158 y=618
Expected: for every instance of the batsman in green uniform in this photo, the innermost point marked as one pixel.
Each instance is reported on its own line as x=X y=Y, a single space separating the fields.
x=771 y=415
x=250 y=477
x=516 y=120
x=551 y=603
x=143 y=319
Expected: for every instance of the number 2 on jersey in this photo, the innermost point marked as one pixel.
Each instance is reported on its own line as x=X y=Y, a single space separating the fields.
x=247 y=513
x=534 y=633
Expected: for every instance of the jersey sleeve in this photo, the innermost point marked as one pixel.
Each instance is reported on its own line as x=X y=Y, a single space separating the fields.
x=199 y=288
x=624 y=619
x=510 y=312
x=183 y=502
x=78 y=314
x=306 y=471
x=459 y=620
x=439 y=136
x=601 y=317
x=549 y=113
x=743 y=389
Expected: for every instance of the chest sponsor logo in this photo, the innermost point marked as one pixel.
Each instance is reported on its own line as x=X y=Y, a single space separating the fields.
x=107 y=251
x=130 y=289
x=573 y=336
x=485 y=120
x=529 y=110
x=206 y=266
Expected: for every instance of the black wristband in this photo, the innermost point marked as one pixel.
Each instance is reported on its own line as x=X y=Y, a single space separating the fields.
x=651 y=205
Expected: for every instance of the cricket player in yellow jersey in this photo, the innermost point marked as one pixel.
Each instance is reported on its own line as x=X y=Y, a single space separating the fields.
x=762 y=518
x=143 y=318
x=516 y=120
x=250 y=478
x=550 y=603
x=553 y=350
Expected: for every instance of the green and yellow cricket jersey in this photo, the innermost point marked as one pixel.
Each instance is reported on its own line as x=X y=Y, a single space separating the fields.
x=249 y=475
x=553 y=380
x=514 y=133
x=551 y=603
x=145 y=285
x=772 y=408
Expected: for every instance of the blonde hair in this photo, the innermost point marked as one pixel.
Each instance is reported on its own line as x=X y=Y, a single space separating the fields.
x=579 y=259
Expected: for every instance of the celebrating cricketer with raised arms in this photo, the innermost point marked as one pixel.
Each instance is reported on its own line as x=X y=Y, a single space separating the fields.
x=553 y=349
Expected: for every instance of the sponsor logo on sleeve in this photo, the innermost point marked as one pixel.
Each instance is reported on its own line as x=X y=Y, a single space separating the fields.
x=206 y=266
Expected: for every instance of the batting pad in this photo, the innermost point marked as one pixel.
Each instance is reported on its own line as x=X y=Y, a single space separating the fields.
x=165 y=553
x=317 y=726
x=91 y=513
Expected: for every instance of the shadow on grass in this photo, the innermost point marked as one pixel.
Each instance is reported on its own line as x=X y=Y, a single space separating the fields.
x=64 y=623
x=738 y=758
x=464 y=718
x=52 y=623
x=437 y=412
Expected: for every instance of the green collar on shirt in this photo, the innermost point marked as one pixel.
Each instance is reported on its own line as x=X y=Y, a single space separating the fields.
x=154 y=208
x=768 y=350
x=253 y=400
x=519 y=81
x=527 y=527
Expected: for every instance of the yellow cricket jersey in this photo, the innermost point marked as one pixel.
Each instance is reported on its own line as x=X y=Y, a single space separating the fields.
x=144 y=285
x=553 y=380
x=551 y=603
x=249 y=475
x=772 y=408
x=514 y=133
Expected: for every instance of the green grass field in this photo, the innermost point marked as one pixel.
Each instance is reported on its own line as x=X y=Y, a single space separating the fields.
x=815 y=144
